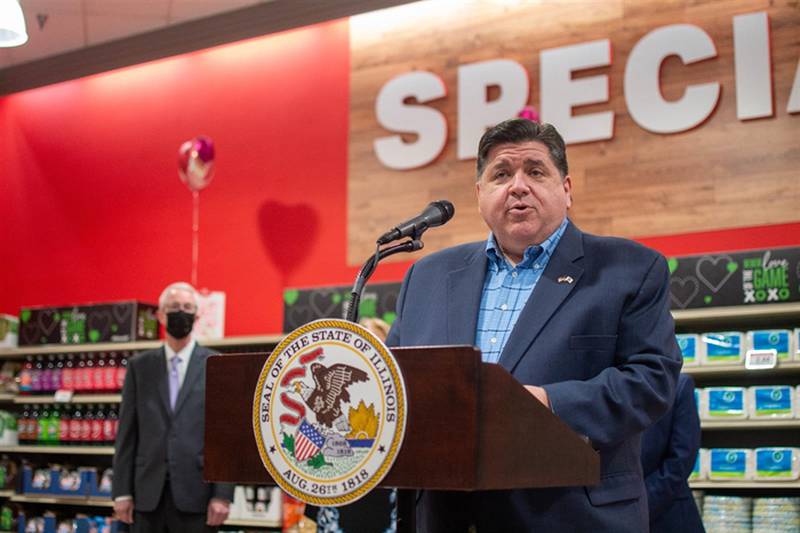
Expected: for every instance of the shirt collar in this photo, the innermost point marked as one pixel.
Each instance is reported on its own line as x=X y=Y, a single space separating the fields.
x=184 y=354
x=532 y=252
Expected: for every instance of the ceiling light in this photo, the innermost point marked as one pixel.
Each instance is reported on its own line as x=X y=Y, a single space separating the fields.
x=12 y=24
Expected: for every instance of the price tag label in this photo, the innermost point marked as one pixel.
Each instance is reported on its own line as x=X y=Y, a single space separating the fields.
x=761 y=359
x=63 y=396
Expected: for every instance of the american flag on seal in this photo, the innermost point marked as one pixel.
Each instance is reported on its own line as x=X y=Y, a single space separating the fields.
x=307 y=441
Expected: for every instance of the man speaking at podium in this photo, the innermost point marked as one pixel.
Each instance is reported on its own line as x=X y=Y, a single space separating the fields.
x=582 y=321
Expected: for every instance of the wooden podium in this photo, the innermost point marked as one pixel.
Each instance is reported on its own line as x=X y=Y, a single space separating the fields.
x=471 y=426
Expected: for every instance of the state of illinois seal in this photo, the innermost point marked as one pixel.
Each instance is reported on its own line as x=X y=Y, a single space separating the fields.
x=329 y=412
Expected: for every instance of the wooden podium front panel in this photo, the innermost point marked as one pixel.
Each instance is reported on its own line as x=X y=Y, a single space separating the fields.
x=440 y=446
x=523 y=444
x=470 y=426
x=230 y=450
x=439 y=449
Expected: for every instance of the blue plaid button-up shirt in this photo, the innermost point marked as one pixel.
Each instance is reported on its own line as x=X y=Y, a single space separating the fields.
x=506 y=289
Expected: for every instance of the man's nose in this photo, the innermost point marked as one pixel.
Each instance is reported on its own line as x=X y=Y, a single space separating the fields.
x=519 y=184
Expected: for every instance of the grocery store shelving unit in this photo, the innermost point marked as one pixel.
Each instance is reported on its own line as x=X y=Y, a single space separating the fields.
x=754 y=485
x=252 y=523
x=105 y=502
x=746 y=433
x=779 y=423
x=228 y=344
x=77 y=398
x=61 y=450
x=62 y=500
x=749 y=313
x=102 y=454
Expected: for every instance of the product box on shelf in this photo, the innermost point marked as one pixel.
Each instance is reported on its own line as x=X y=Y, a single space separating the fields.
x=796 y=344
x=8 y=377
x=48 y=523
x=726 y=347
x=779 y=340
x=690 y=346
x=698 y=472
x=9 y=327
x=8 y=429
x=43 y=524
x=55 y=481
x=730 y=464
x=771 y=401
x=99 y=483
x=699 y=401
x=256 y=502
x=38 y=481
x=724 y=403
x=91 y=323
x=774 y=464
x=8 y=473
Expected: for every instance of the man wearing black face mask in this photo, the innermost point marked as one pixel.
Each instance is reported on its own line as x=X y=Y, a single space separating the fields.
x=158 y=460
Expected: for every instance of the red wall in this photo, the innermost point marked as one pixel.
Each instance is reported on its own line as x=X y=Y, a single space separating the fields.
x=91 y=207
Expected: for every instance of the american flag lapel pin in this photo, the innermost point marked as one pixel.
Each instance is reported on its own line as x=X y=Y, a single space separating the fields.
x=565 y=279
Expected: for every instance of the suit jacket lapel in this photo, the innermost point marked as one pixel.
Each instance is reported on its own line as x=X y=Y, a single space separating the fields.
x=547 y=296
x=159 y=370
x=464 y=288
x=192 y=375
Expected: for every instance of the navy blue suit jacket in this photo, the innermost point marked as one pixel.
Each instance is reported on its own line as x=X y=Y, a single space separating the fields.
x=602 y=346
x=669 y=450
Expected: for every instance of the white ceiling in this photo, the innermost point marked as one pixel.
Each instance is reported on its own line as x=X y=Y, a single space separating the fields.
x=56 y=26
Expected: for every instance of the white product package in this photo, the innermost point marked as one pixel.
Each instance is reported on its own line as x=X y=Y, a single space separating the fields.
x=777 y=464
x=772 y=401
x=797 y=344
x=724 y=347
x=9 y=331
x=8 y=429
x=779 y=340
x=698 y=401
x=722 y=403
x=730 y=464
x=690 y=346
x=700 y=468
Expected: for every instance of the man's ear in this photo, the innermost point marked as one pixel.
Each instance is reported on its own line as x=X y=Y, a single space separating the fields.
x=568 y=190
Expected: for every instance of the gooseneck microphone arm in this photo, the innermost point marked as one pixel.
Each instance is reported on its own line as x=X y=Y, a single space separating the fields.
x=435 y=214
x=369 y=268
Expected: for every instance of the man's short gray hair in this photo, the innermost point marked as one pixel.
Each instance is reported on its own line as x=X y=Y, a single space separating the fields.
x=177 y=286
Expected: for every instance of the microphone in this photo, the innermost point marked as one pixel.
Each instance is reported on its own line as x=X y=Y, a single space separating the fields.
x=436 y=214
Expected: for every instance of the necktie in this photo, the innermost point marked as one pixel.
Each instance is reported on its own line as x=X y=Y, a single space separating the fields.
x=174 y=380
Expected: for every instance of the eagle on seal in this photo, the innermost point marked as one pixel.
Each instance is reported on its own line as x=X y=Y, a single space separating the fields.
x=330 y=390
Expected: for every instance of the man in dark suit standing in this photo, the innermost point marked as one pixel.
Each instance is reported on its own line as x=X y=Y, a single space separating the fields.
x=158 y=459
x=669 y=451
x=582 y=321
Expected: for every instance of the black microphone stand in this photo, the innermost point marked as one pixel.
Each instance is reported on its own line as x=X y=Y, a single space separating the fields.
x=369 y=267
x=404 y=511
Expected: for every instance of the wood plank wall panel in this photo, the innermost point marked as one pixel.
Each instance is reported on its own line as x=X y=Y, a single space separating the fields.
x=725 y=173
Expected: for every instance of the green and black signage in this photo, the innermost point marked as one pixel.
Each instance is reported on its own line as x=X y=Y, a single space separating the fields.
x=741 y=278
x=111 y=322
x=301 y=306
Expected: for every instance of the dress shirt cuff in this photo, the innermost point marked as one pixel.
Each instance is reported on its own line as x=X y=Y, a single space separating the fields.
x=123 y=498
